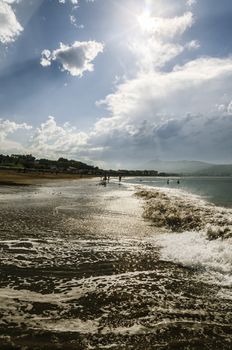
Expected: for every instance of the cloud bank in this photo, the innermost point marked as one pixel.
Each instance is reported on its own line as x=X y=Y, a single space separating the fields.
x=199 y=137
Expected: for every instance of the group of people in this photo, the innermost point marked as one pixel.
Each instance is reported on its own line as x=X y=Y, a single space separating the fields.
x=106 y=179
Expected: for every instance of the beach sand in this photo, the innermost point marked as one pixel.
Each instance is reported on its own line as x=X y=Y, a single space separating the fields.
x=14 y=178
x=80 y=269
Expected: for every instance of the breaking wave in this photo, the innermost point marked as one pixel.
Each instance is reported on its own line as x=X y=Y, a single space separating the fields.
x=192 y=232
x=212 y=258
x=179 y=211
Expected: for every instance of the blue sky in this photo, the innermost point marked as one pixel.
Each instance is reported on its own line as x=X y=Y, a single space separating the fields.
x=116 y=82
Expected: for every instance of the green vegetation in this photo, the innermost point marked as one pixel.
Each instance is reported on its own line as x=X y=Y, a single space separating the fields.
x=30 y=163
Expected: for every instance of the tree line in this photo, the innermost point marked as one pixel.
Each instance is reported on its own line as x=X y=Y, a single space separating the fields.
x=28 y=161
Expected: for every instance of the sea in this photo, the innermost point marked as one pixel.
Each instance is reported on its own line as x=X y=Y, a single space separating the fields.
x=216 y=190
x=133 y=265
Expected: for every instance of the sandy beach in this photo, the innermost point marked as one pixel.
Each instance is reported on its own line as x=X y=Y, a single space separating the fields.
x=14 y=178
x=82 y=269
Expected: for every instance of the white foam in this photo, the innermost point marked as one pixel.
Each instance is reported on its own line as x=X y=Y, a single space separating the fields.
x=72 y=325
x=206 y=246
x=212 y=257
x=132 y=330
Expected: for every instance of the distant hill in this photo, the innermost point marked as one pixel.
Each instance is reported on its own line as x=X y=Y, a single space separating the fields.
x=216 y=170
x=182 y=166
x=187 y=167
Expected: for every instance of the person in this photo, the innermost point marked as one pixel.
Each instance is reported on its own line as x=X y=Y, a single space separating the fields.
x=119 y=178
x=168 y=182
x=178 y=182
x=103 y=180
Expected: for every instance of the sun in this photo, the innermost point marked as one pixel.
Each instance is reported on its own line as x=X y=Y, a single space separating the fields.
x=145 y=20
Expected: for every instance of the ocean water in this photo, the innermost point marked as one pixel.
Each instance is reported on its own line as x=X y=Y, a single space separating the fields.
x=217 y=190
x=81 y=268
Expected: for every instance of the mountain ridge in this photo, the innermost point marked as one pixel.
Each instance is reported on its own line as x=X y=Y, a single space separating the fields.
x=189 y=167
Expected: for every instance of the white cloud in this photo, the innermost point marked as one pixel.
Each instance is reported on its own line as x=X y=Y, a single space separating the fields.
x=154 y=53
x=147 y=114
x=159 y=39
x=220 y=108
x=74 y=2
x=229 y=108
x=191 y=2
x=188 y=88
x=52 y=140
x=7 y=130
x=46 y=58
x=10 y=28
x=47 y=140
x=76 y=59
x=74 y=22
x=166 y=28
x=8 y=127
x=193 y=45
x=11 y=1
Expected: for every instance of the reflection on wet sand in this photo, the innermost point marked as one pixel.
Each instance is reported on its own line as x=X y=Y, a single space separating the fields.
x=80 y=270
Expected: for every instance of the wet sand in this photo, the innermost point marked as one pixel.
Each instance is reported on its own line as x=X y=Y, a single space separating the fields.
x=80 y=270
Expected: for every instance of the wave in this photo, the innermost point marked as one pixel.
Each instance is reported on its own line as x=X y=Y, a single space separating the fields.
x=212 y=258
x=195 y=233
x=178 y=211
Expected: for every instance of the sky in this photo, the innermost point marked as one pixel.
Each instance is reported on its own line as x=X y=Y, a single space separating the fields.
x=116 y=83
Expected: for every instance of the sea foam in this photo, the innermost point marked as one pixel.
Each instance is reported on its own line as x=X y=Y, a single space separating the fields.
x=179 y=211
x=212 y=258
x=195 y=233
